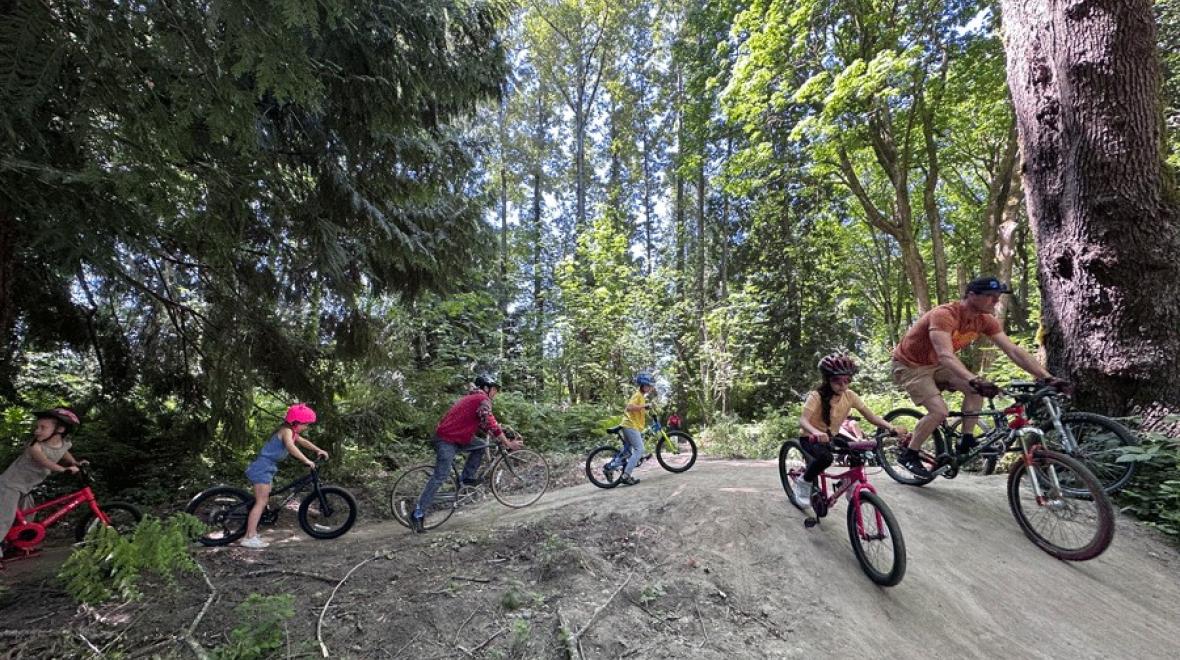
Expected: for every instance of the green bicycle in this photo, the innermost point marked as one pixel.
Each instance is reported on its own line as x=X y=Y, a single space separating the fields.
x=674 y=449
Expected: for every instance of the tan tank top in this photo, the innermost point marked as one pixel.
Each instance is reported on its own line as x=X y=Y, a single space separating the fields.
x=25 y=474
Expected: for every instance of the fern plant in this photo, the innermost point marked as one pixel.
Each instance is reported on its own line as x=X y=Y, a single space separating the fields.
x=110 y=565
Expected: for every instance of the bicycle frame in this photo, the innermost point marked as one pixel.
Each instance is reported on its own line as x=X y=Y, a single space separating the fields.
x=296 y=487
x=68 y=503
x=854 y=482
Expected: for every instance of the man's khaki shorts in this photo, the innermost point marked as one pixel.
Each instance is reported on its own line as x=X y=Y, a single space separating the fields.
x=922 y=382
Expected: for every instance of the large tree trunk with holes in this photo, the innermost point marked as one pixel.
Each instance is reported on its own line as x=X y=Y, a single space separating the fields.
x=8 y=234
x=1085 y=82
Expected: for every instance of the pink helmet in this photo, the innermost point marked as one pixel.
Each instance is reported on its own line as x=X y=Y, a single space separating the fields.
x=300 y=413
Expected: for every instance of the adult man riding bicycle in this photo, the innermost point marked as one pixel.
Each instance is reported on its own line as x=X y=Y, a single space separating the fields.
x=925 y=364
x=471 y=416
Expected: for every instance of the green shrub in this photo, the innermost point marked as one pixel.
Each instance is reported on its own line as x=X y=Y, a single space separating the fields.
x=260 y=632
x=109 y=565
x=1154 y=493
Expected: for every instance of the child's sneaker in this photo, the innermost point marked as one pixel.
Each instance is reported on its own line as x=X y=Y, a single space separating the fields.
x=628 y=480
x=254 y=543
x=802 y=492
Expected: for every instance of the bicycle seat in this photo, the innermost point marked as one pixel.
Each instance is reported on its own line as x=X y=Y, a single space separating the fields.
x=860 y=445
x=615 y=429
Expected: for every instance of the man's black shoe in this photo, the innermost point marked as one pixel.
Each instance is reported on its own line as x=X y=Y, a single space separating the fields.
x=417 y=523
x=910 y=460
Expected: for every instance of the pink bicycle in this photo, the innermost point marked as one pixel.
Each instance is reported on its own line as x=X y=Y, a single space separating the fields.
x=872 y=528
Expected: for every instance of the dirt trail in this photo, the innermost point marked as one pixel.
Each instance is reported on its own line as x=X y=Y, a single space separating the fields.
x=720 y=566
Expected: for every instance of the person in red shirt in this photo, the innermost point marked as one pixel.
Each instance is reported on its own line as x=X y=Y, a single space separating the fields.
x=925 y=364
x=471 y=416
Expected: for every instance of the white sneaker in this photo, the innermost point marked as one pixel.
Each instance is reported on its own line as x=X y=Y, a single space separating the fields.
x=802 y=492
x=254 y=543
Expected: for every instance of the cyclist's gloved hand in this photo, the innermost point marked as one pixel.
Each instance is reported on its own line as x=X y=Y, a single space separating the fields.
x=1060 y=384
x=985 y=387
x=648 y=406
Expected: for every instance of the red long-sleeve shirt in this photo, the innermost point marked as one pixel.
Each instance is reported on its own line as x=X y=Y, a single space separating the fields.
x=469 y=416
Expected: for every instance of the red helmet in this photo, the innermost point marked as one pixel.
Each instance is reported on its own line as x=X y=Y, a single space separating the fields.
x=837 y=364
x=63 y=416
x=300 y=413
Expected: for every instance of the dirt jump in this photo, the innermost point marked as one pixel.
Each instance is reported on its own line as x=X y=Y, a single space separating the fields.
x=712 y=563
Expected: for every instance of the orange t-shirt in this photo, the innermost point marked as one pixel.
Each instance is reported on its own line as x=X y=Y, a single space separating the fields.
x=916 y=349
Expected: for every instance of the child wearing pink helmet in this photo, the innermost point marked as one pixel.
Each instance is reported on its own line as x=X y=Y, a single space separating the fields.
x=262 y=470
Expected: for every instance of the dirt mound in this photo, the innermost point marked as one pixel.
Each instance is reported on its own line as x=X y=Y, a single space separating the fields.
x=712 y=563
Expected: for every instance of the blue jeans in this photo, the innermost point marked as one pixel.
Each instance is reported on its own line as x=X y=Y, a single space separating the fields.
x=632 y=449
x=444 y=457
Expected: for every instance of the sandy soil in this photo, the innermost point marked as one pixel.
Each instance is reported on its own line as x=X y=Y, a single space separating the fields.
x=713 y=563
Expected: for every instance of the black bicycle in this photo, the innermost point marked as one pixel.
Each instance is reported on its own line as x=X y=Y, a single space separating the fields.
x=516 y=478
x=327 y=512
x=1096 y=441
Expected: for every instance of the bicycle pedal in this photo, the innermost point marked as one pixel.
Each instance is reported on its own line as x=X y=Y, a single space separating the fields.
x=810 y=522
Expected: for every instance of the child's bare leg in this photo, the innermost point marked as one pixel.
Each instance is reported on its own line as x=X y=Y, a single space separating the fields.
x=261 y=494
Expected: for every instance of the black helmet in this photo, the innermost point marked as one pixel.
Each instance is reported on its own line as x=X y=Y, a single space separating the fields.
x=837 y=364
x=486 y=380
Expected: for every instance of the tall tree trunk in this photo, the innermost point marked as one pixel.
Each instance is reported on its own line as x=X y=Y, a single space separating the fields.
x=542 y=121
x=1005 y=248
x=999 y=194
x=8 y=342
x=1085 y=82
x=930 y=203
x=502 y=285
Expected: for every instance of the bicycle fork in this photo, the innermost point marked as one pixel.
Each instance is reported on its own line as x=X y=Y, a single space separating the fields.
x=1038 y=489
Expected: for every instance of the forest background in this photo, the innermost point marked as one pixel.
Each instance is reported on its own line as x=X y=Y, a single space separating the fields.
x=212 y=210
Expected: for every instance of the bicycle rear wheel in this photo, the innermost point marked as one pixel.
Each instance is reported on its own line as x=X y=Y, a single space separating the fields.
x=123 y=516
x=520 y=478
x=889 y=446
x=876 y=539
x=792 y=463
x=404 y=496
x=1101 y=441
x=332 y=517
x=223 y=511
x=677 y=453
x=1069 y=527
x=596 y=463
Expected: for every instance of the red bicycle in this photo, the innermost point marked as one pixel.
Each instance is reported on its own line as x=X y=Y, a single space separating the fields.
x=872 y=528
x=27 y=532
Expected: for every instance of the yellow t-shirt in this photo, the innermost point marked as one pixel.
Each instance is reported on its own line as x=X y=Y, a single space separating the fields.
x=841 y=406
x=638 y=419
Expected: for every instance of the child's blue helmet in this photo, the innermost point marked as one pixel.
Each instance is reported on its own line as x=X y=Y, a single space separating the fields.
x=645 y=379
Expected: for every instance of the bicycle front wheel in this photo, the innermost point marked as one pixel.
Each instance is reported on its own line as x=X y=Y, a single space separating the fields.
x=792 y=463
x=123 y=516
x=223 y=510
x=1100 y=442
x=876 y=539
x=328 y=514
x=596 y=467
x=404 y=496
x=889 y=446
x=677 y=453
x=1069 y=527
x=520 y=478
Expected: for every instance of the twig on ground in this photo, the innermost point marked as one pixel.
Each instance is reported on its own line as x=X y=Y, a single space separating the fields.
x=484 y=643
x=602 y=607
x=188 y=637
x=567 y=634
x=774 y=633
x=92 y=646
x=458 y=632
x=278 y=571
x=471 y=579
x=407 y=644
x=645 y=610
x=319 y=626
x=701 y=620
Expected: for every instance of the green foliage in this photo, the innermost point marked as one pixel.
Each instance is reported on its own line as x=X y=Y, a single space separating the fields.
x=651 y=592
x=1154 y=494
x=730 y=438
x=260 y=632
x=110 y=565
x=518 y=597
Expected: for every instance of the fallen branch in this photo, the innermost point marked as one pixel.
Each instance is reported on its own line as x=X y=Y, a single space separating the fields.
x=407 y=644
x=319 y=626
x=471 y=579
x=602 y=607
x=278 y=571
x=701 y=620
x=485 y=642
x=458 y=632
x=188 y=637
x=92 y=646
x=565 y=633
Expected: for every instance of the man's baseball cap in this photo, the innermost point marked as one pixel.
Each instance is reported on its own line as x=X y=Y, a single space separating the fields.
x=987 y=285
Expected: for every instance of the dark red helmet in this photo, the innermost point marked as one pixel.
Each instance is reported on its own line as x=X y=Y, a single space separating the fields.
x=63 y=416
x=837 y=364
